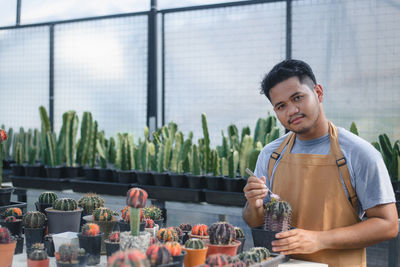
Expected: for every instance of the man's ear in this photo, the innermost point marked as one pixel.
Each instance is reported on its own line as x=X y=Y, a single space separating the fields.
x=319 y=91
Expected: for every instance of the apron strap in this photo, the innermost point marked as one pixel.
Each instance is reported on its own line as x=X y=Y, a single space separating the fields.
x=342 y=164
x=276 y=154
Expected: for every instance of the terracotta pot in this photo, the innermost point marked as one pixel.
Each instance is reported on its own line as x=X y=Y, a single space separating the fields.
x=7 y=254
x=40 y=263
x=194 y=257
x=230 y=249
x=205 y=238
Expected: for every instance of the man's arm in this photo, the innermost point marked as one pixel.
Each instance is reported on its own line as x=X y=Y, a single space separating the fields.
x=382 y=224
x=255 y=191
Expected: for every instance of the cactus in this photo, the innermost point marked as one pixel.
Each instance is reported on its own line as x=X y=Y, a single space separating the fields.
x=19 y=154
x=31 y=155
x=82 y=152
x=5 y=236
x=68 y=253
x=89 y=202
x=245 y=150
x=92 y=145
x=239 y=232
x=196 y=170
x=90 y=229
x=114 y=237
x=33 y=219
x=47 y=197
x=207 y=149
x=158 y=255
x=7 y=142
x=236 y=262
x=65 y=204
x=152 y=212
x=274 y=134
x=353 y=128
x=13 y=212
x=68 y=136
x=136 y=199
x=10 y=219
x=37 y=252
x=185 y=227
x=165 y=235
x=174 y=248
x=81 y=252
x=221 y=233
x=254 y=156
x=101 y=147
x=177 y=230
x=131 y=257
x=250 y=257
x=102 y=214
x=391 y=155
x=215 y=166
x=47 y=152
x=200 y=230
x=149 y=223
x=194 y=243
x=262 y=252
x=111 y=150
x=277 y=215
x=218 y=259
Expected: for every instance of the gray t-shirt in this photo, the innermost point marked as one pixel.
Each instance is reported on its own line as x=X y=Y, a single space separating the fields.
x=368 y=173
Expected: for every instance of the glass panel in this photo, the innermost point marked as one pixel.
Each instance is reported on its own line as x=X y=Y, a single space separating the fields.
x=8 y=12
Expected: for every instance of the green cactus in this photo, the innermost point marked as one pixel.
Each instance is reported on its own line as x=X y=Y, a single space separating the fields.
x=262 y=252
x=31 y=155
x=65 y=204
x=233 y=134
x=7 y=144
x=239 y=232
x=250 y=256
x=254 y=155
x=245 y=151
x=111 y=150
x=47 y=197
x=101 y=146
x=37 y=252
x=215 y=165
x=245 y=131
x=71 y=129
x=277 y=215
x=152 y=212
x=391 y=156
x=102 y=214
x=82 y=152
x=19 y=154
x=195 y=161
x=33 y=219
x=92 y=146
x=194 y=243
x=45 y=129
x=175 y=151
x=51 y=150
x=183 y=156
x=89 y=202
x=233 y=163
x=207 y=149
x=353 y=128
x=36 y=143
x=68 y=253
x=271 y=136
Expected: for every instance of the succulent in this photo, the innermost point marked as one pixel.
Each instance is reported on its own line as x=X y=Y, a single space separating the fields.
x=47 y=197
x=185 y=227
x=152 y=212
x=149 y=223
x=68 y=253
x=103 y=214
x=81 y=252
x=239 y=232
x=114 y=237
x=10 y=219
x=277 y=215
x=177 y=230
x=33 y=219
x=136 y=198
x=250 y=255
x=165 y=235
x=221 y=233
x=158 y=254
x=194 y=243
x=130 y=257
x=37 y=252
x=90 y=202
x=236 y=262
x=174 y=248
x=5 y=236
x=90 y=229
x=65 y=204
x=262 y=252
x=13 y=212
x=200 y=230
x=218 y=259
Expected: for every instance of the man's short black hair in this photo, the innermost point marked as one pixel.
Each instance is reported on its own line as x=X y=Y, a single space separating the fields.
x=285 y=70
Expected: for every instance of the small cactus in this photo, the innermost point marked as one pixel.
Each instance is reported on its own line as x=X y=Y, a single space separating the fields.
x=158 y=254
x=65 y=204
x=250 y=256
x=114 y=237
x=13 y=212
x=81 y=252
x=5 y=236
x=90 y=202
x=194 y=243
x=200 y=230
x=47 y=197
x=131 y=257
x=218 y=259
x=90 y=229
x=102 y=214
x=33 y=219
x=37 y=252
x=10 y=219
x=177 y=230
x=174 y=248
x=262 y=252
x=152 y=212
x=277 y=215
x=221 y=233
x=185 y=227
x=165 y=235
x=239 y=232
x=149 y=223
x=68 y=253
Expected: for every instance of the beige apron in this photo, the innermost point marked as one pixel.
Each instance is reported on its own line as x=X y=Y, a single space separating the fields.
x=311 y=184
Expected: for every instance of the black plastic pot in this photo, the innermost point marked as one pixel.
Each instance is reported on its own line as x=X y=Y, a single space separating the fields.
x=63 y=221
x=196 y=181
x=15 y=228
x=35 y=170
x=111 y=247
x=59 y=264
x=126 y=227
x=214 y=183
x=127 y=177
x=55 y=172
x=240 y=248
x=18 y=169
x=179 y=258
x=178 y=180
x=19 y=248
x=233 y=184
x=49 y=245
x=91 y=173
x=144 y=178
x=7 y=163
x=161 y=179
x=185 y=236
x=262 y=237
x=73 y=172
x=83 y=260
x=42 y=206
x=5 y=195
x=105 y=175
x=92 y=246
x=33 y=235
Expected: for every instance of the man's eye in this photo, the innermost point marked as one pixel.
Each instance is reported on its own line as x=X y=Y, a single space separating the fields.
x=297 y=98
x=280 y=107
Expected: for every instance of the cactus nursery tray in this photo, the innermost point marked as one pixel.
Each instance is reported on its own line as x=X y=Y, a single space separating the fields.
x=41 y=183
x=225 y=198
x=99 y=187
x=174 y=193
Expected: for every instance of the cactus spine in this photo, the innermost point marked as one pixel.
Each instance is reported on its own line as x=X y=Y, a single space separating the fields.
x=37 y=252
x=68 y=253
x=194 y=243
x=102 y=214
x=65 y=204
x=89 y=202
x=33 y=219
x=221 y=233
x=207 y=149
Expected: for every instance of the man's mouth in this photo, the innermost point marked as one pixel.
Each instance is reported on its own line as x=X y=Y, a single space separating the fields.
x=296 y=119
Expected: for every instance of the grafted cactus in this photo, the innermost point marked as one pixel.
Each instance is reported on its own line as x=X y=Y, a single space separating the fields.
x=277 y=214
x=221 y=233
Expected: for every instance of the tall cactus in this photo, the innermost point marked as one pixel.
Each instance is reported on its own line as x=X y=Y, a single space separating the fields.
x=391 y=156
x=19 y=154
x=71 y=130
x=277 y=215
x=92 y=146
x=233 y=134
x=272 y=135
x=111 y=150
x=183 y=162
x=45 y=129
x=196 y=170
x=207 y=149
x=82 y=153
x=245 y=151
x=101 y=146
x=215 y=163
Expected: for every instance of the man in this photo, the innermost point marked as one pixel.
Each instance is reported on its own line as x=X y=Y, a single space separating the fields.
x=329 y=176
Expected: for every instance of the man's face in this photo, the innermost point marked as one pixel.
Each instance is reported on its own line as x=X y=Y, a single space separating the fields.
x=296 y=105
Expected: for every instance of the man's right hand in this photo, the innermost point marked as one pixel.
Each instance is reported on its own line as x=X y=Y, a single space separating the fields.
x=255 y=191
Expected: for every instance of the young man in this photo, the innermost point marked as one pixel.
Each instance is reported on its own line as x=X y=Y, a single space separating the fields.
x=329 y=176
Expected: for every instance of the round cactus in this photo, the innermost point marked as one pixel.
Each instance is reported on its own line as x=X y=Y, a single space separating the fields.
x=221 y=233
x=165 y=235
x=81 y=252
x=37 y=252
x=90 y=202
x=10 y=219
x=239 y=232
x=277 y=215
x=250 y=256
x=33 y=219
x=5 y=236
x=149 y=223
x=136 y=198
x=185 y=227
x=262 y=252
x=218 y=259
x=152 y=212
x=194 y=243
x=90 y=229
x=13 y=212
x=177 y=230
x=236 y=262
x=174 y=248
x=200 y=230
x=103 y=214
x=47 y=197
x=131 y=257
x=65 y=204
x=158 y=254
x=114 y=237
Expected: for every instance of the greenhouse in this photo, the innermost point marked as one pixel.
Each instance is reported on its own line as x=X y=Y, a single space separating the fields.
x=199 y=133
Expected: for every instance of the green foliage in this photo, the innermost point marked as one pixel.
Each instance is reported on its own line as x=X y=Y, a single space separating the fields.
x=353 y=128
x=65 y=204
x=391 y=155
x=47 y=197
x=82 y=152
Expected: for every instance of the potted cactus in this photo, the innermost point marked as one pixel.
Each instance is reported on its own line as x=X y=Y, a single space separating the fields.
x=89 y=202
x=222 y=239
x=154 y=213
x=16 y=212
x=112 y=243
x=90 y=240
x=277 y=215
x=176 y=251
x=130 y=257
x=38 y=256
x=5 y=191
x=240 y=237
x=124 y=223
x=158 y=255
x=219 y=259
x=45 y=200
x=167 y=235
x=151 y=227
x=7 y=247
x=67 y=256
x=257 y=255
x=199 y=231
x=13 y=224
x=196 y=252
x=33 y=222
x=64 y=216
x=186 y=229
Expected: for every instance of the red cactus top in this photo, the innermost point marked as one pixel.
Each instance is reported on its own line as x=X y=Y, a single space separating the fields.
x=3 y=135
x=136 y=198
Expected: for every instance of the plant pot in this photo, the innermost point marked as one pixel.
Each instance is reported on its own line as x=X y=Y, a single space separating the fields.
x=92 y=246
x=91 y=174
x=153 y=231
x=106 y=227
x=194 y=257
x=161 y=179
x=19 y=248
x=33 y=235
x=49 y=245
x=141 y=242
x=7 y=254
x=160 y=222
x=38 y=263
x=111 y=247
x=63 y=221
x=35 y=170
x=230 y=249
x=144 y=178
x=126 y=227
x=55 y=172
x=83 y=260
x=5 y=195
x=196 y=181
x=15 y=228
x=63 y=238
x=59 y=264
x=42 y=207
x=105 y=175
x=18 y=169
x=214 y=183
x=178 y=180
x=127 y=177
x=233 y=184
x=185 y=236
x=262 y=237
x=179 y=258
x=73 y=171
x=240 y=248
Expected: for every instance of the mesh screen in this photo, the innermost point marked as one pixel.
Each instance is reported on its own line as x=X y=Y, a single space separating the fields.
x=354 y=51
x=214 y=63
x=24 y=76
x=101 y=66
x=8 y=12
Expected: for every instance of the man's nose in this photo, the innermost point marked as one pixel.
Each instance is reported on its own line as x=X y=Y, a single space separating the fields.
x=292 y=109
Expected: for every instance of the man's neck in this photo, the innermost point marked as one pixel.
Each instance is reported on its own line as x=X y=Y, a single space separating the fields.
x=320 y=128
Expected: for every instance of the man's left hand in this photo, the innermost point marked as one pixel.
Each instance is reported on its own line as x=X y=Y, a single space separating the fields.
x=297 y=241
